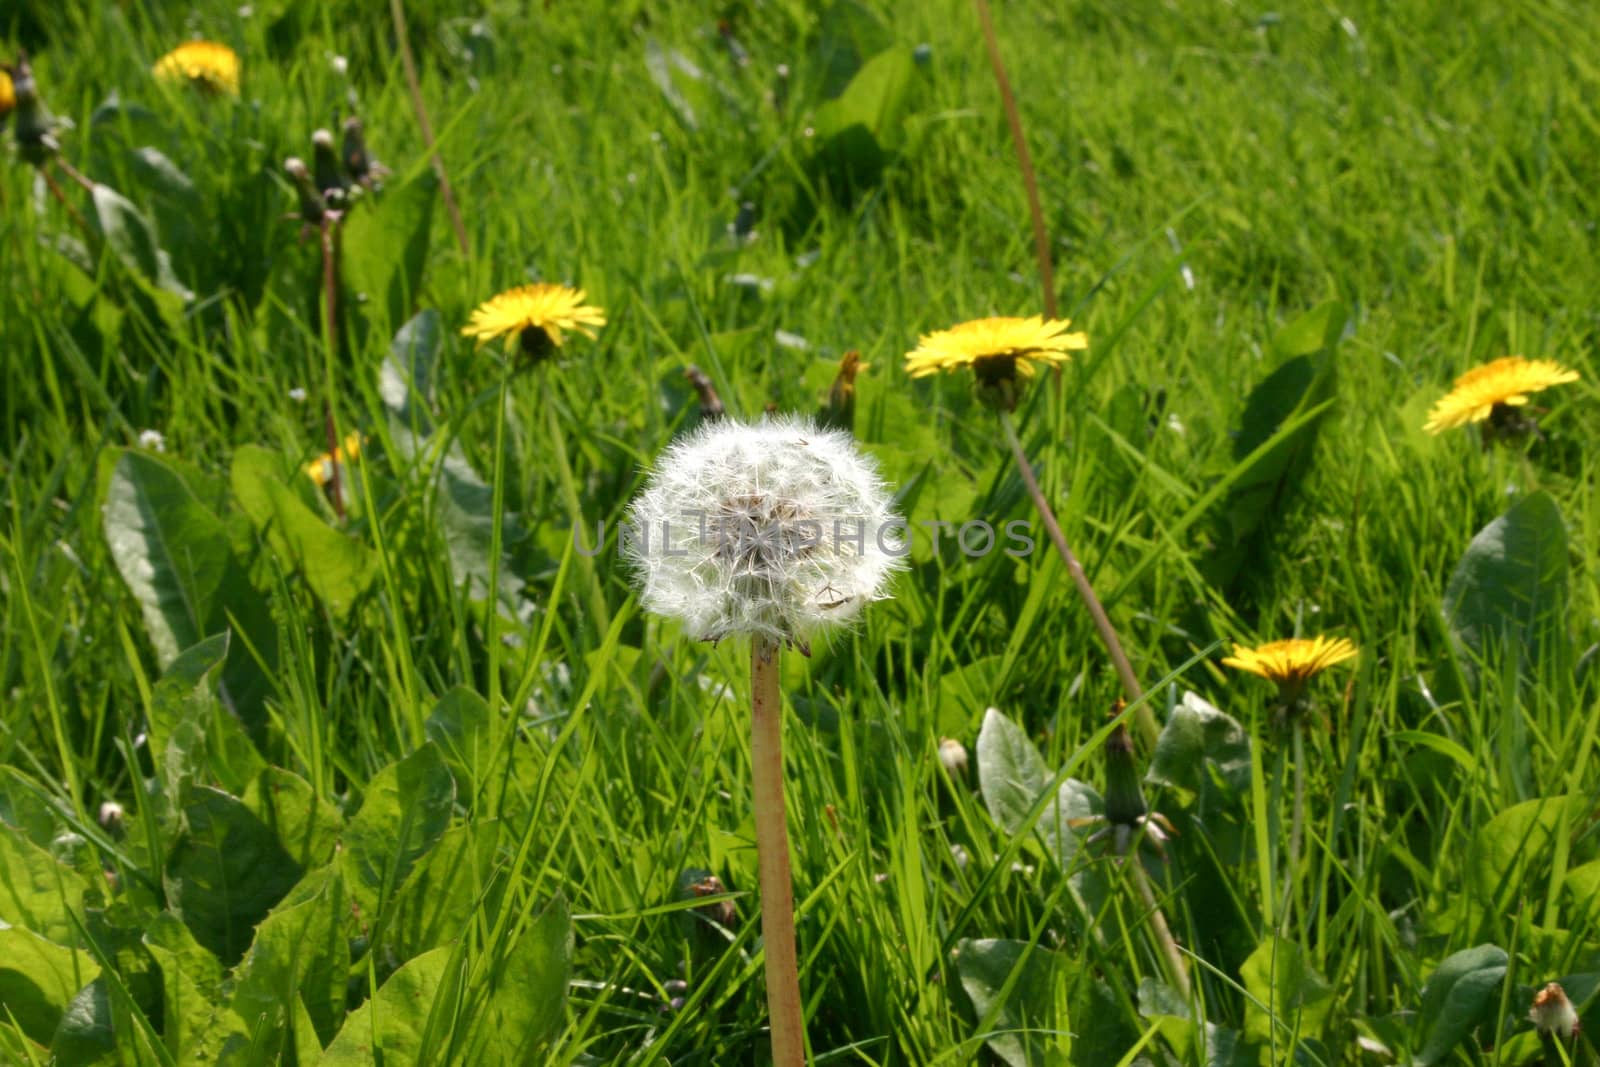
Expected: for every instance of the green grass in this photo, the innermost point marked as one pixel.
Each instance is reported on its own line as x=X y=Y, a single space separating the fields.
x=1210 y=174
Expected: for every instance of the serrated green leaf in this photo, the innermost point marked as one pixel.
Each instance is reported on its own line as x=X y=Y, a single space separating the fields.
x=528 y=995
x=1196 y=734
x=225 y=872
x=338 y=568
x=37 y=891
x=404 y=811
x=1011 y=985
x=38 y=979
x=391 y=1027
x=299 y=952
x=1288 y=995
x=194 y=1028
x=1510 y=588
x=460 y=725
x=384 y=248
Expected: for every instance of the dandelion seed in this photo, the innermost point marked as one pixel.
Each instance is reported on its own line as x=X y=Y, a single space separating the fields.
x=298 y=395
x=1490 y=394
x=153 y=440
x=212 y=66
x=534 y=316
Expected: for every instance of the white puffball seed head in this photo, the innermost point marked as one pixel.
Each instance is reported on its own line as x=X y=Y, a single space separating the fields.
x=776 y=529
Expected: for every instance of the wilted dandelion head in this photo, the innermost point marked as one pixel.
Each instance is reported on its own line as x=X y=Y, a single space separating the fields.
x=534 y=316
x=1492 y=390
x=208 y=64
x=999 y=351
x=776 y=529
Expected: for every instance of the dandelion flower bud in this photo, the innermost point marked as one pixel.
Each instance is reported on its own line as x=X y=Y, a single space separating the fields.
x=953 y=754
x=775 y=530
x=330 y=178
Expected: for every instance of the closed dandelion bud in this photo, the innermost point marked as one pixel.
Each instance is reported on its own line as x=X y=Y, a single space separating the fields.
x=111 y=817
x=1552 y=1013
x=1125 y=805
x=312 y=207
x=953 y=754
x=775 y=530
x=839 y=412
x=358 y=162
x=35 y=126
x=711 y=408
x=330 y=177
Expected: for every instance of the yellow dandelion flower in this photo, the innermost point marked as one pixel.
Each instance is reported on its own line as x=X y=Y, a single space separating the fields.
x=1290 y=663
x=534 y=316
x=320 y=470
x=208 y=64
x=1493 y=389
x=8 y=94
x=1003 y=344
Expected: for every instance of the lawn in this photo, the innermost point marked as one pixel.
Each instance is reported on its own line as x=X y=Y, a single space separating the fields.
x=333 y=719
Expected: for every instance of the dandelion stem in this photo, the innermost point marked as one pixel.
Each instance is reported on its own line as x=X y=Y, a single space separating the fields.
x=330 y=314
x=1130 y=685
x=772 y=851
x=1041 y=237
x=413 y=83
x=1297 y=819
x=1172 y=955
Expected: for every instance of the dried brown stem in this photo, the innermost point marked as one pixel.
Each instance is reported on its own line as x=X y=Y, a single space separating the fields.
x=414 y=84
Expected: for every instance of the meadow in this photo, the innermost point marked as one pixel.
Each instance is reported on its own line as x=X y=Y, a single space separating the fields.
x=334 y=729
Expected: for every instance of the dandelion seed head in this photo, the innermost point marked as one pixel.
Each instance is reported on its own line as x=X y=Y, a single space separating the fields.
x=777 y=529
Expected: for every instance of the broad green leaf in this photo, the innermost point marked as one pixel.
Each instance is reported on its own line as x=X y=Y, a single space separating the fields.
x=1506 y=847
x=336 y=567
x=1195 y=735
x=1011 y=773
x=306 y=825
x=193 y=1026
x=225 y=872
x=299 y=952
x=1510 y=589
x=172 y=552
x=87 y=1034
x=1012 y=986
x=445 y=888
x=1462 y=993
x=384 y=248
x=1012 y=777
x=528 y=994
x=405 y=380
x=858 y=132
x=390 y=1028
x=22 y=806
x=194 y=739
x=132 y=239
x=404 y=810
x=848 y=33
x=37 y=891
x=1218 y=1045
x=38 y=979
x=1304 y=381
x=460 y=726
x=1289 y=996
